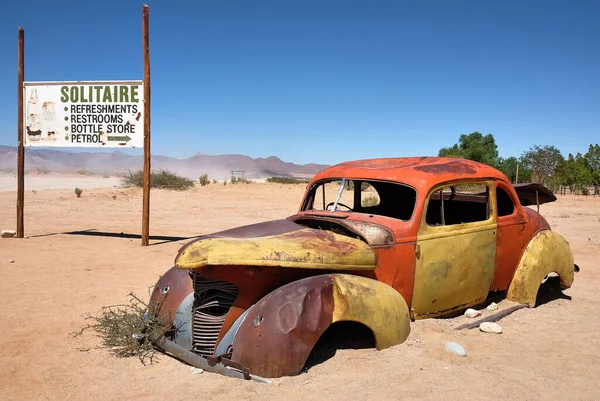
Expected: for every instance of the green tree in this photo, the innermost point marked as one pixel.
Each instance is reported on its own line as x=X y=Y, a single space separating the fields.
x=474 y=146
x=577 y=173
x=592 y=158
x=542 y=161
x=509 y=167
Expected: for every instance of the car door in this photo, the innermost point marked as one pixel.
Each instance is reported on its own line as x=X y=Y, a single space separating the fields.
x=456 y=248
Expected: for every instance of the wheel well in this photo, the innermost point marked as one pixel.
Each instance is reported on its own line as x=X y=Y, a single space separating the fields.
x=550 y=289
x=340 y=335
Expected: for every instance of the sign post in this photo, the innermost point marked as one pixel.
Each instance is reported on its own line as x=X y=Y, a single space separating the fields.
x=85 y=114
x=146 y=191
x=21 y=148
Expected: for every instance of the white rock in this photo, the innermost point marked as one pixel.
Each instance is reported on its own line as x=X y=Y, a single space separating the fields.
x=456 y=348
x=472 y=313
x=197 y=371
x=492 y=306
x=8 y=233
x=489 y=327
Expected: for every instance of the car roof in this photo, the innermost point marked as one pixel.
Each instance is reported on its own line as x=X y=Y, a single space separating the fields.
x=419 y=172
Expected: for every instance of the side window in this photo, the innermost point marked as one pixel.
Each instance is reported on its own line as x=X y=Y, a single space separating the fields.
x=504 y=202
x=458 y=204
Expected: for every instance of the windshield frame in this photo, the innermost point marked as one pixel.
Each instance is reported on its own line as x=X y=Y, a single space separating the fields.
x=310 y=197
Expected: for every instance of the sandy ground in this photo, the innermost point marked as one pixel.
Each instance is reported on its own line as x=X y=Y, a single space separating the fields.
x=36 y=182
x=549 y=352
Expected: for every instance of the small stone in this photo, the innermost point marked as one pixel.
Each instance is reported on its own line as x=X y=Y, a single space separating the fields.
x=472 y=313
x=8 y=233
x=456 y=348
x=492 y=306
x=197 y=371
x=489 y=327
x=12 y=261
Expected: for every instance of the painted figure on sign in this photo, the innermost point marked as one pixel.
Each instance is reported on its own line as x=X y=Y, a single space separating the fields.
x=49 y=121
x=34 y=130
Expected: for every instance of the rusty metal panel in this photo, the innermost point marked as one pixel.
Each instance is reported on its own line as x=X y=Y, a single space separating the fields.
x=455 y=264
x=306 y=248
x=419 y=172
x=281 y=330
x=514 y=233
x=374 y=304
x=170 y=291
x=532 y=194
x=546 y=253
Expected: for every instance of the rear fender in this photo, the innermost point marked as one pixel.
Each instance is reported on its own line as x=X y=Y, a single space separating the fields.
x=547 y=252
x=280 y=331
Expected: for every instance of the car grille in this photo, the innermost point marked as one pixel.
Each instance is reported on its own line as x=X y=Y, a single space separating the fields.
x=212 y=302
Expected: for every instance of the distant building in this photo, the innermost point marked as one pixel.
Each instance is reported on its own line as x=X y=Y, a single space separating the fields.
x=238 y=174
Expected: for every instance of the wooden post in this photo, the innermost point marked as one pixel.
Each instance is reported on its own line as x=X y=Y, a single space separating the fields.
x=517 y=178
x=146 y=200
x=21 y=145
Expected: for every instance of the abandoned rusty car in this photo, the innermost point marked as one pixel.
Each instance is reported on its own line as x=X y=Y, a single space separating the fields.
x=376 y=242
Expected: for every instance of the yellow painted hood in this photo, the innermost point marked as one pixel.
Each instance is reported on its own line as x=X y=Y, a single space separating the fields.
x=302 y=249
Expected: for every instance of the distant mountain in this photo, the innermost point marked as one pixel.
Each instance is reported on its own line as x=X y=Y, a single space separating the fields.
x=218 y=167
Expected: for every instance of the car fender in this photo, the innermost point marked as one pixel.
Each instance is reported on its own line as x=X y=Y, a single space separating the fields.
x=169 y=292
x=547 y=252
x=278 y=334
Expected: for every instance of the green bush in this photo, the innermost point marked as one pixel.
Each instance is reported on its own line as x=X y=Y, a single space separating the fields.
x=369 y=200
x=350 y=186
x=287 y=180
x=204 y=180
x=162 y=179
x=78 y=192
x=235 y=180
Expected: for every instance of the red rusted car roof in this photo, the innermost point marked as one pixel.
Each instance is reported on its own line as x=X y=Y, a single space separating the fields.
x=414 y=171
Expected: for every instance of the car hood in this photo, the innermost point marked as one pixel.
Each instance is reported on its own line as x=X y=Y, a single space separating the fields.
x=280 y=243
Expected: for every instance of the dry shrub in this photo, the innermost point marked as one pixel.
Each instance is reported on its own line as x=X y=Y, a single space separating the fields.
x=129 y=330
x=204 y=180
x=287 y=180
x=162 y=179
x=236 y=180
x=370 y=200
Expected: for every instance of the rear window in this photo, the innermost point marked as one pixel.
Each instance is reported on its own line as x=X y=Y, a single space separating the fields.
x=357 y=196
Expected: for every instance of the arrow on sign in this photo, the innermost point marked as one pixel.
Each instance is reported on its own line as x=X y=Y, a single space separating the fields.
x=125 y=138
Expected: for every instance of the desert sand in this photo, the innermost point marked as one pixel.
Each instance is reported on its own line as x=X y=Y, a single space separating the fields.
x=51 y=279
x=37 y=181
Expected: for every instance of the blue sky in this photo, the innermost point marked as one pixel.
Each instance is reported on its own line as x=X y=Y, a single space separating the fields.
x=327 y=81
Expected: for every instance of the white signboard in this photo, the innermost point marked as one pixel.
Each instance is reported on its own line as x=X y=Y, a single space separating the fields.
x=84 y=114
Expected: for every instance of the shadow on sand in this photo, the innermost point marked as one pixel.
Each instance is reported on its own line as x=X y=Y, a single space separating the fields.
x=549 y=291
x=340 y=335
x=94 y=233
